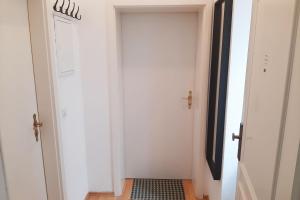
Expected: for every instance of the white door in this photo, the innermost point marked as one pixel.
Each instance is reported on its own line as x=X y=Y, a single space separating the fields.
x=159 y=53
x=268 y=66
x=22 y=154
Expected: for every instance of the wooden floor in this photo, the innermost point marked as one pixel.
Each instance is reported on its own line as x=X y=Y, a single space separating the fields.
x=187 y=184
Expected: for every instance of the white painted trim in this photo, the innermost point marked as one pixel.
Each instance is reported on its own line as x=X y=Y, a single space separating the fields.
x=116 y=110
x=285 y=172
x=201 y=91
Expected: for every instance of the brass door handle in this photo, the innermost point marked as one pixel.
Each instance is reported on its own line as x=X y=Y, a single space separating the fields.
x=36 y=127
x=189 y=99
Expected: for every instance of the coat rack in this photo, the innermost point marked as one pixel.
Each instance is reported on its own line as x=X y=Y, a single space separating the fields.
x=71 y=13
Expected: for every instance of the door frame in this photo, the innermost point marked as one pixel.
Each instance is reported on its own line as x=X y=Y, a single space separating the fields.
x=282 y=178
x=42 y=37
x=114 y=8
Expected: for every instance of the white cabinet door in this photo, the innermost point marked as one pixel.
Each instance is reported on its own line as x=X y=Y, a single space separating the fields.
x=268 y=65
x=22 y=154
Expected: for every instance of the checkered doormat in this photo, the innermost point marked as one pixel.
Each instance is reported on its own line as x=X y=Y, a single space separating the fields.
x=157 y=189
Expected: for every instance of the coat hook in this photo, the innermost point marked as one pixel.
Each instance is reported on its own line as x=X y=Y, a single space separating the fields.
x=72 y=12
x=61 y=7
x=76 y=15
x=67 y=9
x=55 y=6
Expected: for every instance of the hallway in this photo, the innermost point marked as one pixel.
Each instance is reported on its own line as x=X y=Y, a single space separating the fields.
x=149 y=100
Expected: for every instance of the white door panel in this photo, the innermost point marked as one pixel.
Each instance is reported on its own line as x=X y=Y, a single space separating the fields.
x=268 y=64
x=22 y=155
x=159 y=53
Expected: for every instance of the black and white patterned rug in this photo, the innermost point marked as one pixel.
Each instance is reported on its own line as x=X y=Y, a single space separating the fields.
x=157 y=189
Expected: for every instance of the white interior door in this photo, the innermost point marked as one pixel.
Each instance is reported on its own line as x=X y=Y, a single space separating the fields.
x=159 y=53
x=268 y=66
x=22 y=154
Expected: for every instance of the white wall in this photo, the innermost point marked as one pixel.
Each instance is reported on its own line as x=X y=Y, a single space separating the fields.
x=70 y=110
x=94 y=68
x=93 y=76
x=225 y=189
x=73 y=148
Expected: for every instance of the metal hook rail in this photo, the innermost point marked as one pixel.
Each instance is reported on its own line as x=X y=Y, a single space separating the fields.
x=67 y=11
